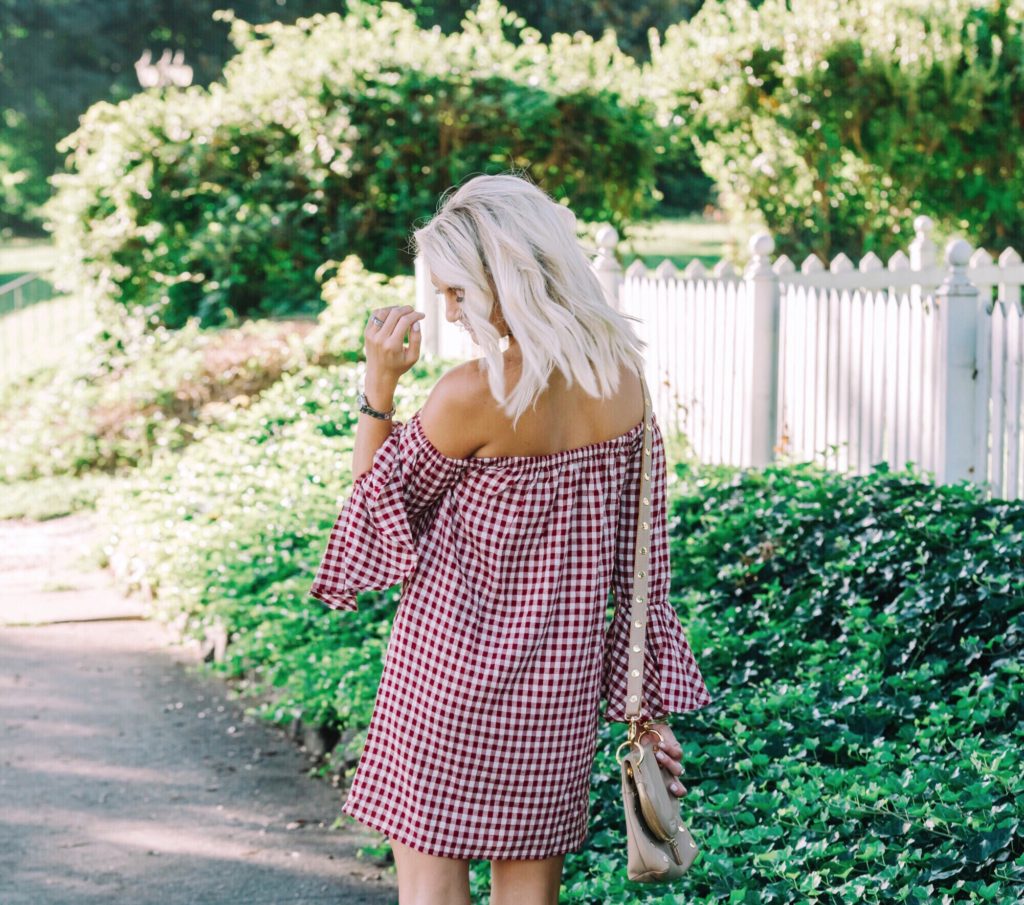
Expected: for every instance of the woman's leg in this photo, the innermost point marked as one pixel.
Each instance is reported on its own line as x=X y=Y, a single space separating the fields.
x=526 y=882
x=429 y=879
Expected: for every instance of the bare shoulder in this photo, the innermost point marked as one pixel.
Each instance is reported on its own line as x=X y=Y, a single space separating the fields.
x=451 y=416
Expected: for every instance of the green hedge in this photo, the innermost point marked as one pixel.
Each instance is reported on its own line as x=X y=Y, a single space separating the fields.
x=120 y=395
x=838 y=123
x=253 y=503
x=330 y=137
x=861 y=637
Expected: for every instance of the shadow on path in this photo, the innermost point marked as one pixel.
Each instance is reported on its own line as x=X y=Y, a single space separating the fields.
x=127 y=778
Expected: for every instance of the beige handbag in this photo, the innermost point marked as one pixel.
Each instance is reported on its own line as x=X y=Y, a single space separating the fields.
x=660 y=848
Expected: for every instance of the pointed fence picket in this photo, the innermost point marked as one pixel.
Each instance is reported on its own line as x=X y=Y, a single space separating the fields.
x=850 y=365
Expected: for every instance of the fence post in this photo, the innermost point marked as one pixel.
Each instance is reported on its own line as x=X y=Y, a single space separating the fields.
x=923 y=256
x=923 y=253
x=763 y=392
x=959 y=417
x=606 y=264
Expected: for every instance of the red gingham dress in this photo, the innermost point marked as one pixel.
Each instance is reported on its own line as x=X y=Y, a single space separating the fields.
x=484 y=728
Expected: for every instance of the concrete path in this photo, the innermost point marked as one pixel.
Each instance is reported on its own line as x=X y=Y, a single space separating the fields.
x=125 y=777
x=45 y=576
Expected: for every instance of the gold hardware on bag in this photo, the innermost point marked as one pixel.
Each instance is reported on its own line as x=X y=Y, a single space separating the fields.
x=675 y=851
x=637 y=729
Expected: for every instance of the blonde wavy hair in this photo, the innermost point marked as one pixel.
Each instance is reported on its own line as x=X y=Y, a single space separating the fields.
x=506 y=242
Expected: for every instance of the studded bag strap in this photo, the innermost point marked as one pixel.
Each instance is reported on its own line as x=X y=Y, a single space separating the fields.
x=641 y=563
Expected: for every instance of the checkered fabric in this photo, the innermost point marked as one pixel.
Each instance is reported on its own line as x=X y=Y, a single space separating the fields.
x=484 y=729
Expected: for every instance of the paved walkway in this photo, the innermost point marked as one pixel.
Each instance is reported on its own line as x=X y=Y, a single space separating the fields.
x=125 y=777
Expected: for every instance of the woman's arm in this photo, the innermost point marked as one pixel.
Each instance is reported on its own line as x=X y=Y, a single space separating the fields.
x=387 y=359
x=372 y=432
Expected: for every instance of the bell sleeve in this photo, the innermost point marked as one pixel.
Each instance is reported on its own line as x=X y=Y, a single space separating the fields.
x=672 y=681
x=374 y=542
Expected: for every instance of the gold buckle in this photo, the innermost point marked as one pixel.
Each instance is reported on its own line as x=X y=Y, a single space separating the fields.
x=637 y=730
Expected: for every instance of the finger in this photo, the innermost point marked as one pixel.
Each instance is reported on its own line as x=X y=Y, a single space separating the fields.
x=672 y=747
x=674 y=785
x=415 y=338
x=405 y=317
x=376 y=322
x=656 y=735
x=386 y=312
x=668 y=738
x=399 y=326
x=378 y=330
x=391 y=316
x=405 y=326
x=668 y=763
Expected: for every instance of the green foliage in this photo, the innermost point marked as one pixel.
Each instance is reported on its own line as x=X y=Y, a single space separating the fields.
x=841 y=122
x=229 y=534
x=116 y=399
x=53 y=497
x=57 y=58
x=861 y=637
x=683 y=187
x=864 y=638
x=331 y=137
x=631 y=20
x=117 y=396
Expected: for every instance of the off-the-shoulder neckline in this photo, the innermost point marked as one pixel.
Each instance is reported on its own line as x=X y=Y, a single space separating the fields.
x=568 y=455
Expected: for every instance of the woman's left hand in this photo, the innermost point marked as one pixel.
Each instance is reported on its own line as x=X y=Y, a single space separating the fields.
x=669 y=752
x=387 y=356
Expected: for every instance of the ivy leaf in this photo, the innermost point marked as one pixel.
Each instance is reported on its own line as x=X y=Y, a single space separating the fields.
x=984 y=845
x=944 y=867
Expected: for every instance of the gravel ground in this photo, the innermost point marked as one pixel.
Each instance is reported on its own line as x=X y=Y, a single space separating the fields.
x=127 y=777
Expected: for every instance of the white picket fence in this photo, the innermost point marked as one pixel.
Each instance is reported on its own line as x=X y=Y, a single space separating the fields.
x=850 y=366
x=37 y=327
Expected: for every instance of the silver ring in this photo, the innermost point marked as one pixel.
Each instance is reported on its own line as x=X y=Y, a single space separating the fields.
x=377 y=320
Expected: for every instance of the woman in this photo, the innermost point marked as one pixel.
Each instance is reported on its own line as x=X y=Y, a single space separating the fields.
x=507 y=508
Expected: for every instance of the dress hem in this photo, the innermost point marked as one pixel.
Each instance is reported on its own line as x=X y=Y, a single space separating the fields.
x=356 y=813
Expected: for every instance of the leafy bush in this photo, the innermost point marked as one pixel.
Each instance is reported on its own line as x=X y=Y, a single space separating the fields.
x=122 y=394
x=841 y=122
x=331 y=137
x=229 y=533
x=631 y=20
x=52 y=67
x=41 y=499
x=861 y=636
x=115 y=400
x=682 y=186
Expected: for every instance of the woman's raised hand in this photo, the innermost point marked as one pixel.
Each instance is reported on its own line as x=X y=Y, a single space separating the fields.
x=387 y=356
x=668 y=751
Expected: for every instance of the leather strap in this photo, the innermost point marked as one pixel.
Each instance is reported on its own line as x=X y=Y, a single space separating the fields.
x=641 y=567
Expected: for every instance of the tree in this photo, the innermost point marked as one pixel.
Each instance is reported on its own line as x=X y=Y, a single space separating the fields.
x=59 y=57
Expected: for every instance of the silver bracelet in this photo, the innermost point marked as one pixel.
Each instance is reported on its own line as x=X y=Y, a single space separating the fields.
x=366 y=408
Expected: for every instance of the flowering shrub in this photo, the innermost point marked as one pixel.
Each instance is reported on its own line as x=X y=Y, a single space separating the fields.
x=118 y=396
x=838 y=123
x=333 y=136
